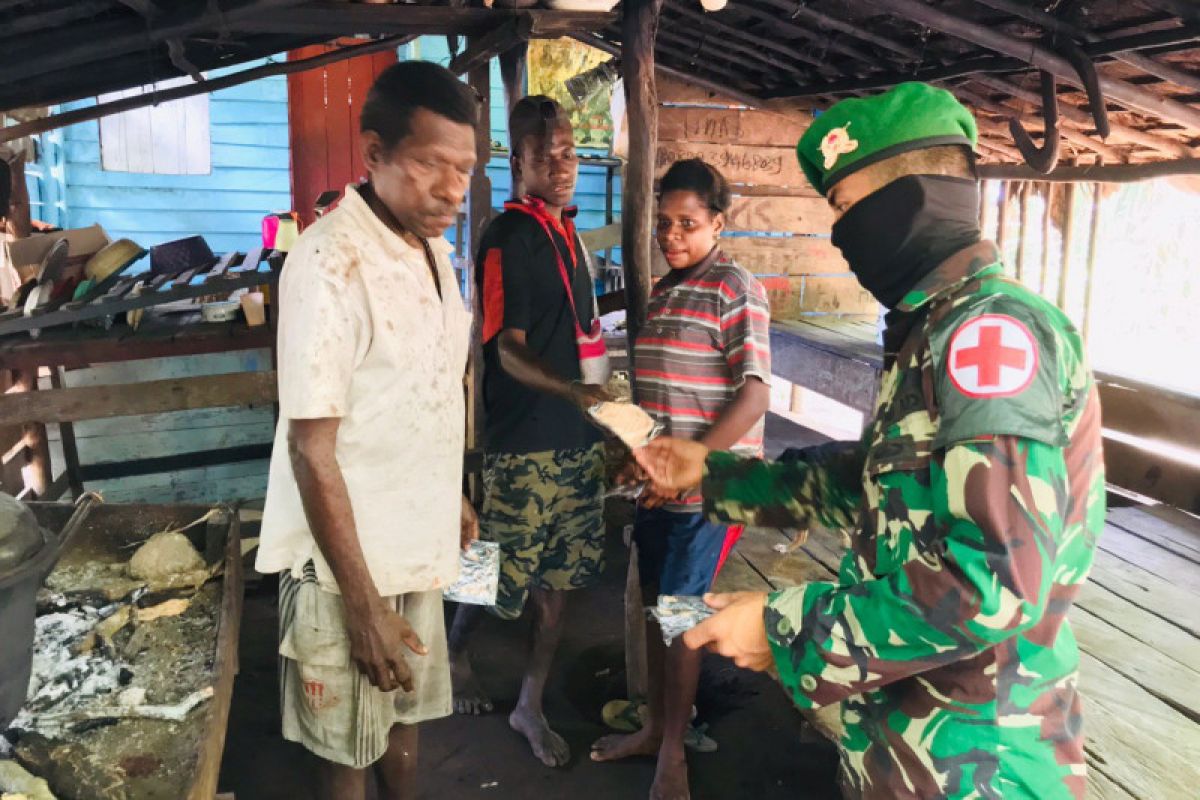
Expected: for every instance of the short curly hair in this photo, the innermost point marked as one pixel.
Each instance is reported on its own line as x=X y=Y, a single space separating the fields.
x=694 y=175
x=402 y=88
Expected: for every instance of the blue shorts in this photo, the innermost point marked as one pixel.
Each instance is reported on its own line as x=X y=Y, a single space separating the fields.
x=677 y=552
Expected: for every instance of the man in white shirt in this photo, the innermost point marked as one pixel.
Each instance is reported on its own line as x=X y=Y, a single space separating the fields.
x=364 y=512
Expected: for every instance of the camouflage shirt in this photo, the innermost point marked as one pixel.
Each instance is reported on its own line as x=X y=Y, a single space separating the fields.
x=975 y=497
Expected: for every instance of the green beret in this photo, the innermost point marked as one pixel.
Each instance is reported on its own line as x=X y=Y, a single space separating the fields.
x=858 y=132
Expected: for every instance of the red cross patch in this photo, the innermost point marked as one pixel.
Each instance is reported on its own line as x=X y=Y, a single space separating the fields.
x=992 y=355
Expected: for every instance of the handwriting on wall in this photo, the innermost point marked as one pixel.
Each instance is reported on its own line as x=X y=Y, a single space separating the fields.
x=770 y=166
x=732 y=160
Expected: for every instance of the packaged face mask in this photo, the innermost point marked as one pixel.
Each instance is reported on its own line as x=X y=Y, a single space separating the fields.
x=629 y=423
x=677 y=614
x=478 y=575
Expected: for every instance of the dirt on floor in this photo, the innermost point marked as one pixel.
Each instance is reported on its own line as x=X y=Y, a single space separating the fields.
x=761 y=755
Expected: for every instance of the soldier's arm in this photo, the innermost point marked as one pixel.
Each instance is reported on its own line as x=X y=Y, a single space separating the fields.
x=986 y=576
x=824 y=484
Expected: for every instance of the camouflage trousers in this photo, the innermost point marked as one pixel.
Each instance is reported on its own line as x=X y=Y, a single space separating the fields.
x=546 y=511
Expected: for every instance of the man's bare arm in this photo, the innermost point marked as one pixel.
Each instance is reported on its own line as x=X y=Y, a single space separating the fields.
x=375 y=631
x=523 y=364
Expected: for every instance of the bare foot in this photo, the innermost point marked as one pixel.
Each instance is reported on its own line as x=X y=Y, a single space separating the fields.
x=469 y=697
x=548 y=747
x=626 y=745
x=671 y=777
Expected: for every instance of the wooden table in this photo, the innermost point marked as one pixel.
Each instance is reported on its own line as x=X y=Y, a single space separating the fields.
x=1137 y=621
x=110 y=533
x=174 y=335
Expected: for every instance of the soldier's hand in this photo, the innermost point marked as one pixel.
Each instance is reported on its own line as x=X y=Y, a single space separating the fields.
x=377 y=643
x=655 y=496
x=630 y=475
x=673 y=464
x=736 y=631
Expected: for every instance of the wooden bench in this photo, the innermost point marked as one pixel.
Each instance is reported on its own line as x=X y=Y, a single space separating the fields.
x=1138 y=628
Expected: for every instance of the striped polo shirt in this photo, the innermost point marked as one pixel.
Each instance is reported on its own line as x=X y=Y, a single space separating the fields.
x=706 y=331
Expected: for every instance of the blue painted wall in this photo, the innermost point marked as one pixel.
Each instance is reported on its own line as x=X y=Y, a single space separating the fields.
x=250 y=176
x=589 y=194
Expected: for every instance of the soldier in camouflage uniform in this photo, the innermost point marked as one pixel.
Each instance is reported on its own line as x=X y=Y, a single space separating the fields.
x=975 y=496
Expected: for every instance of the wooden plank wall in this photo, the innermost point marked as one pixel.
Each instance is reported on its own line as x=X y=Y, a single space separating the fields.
x=323 y=111
x=249 y=177
x=779 y=226
x=178 y=432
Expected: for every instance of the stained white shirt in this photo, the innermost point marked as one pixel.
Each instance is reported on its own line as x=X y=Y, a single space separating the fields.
x=364 y=337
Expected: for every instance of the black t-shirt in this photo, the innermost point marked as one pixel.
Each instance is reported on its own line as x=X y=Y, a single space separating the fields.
x=520 y=287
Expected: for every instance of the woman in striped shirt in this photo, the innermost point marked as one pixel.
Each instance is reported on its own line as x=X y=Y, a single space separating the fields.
x=702 y=365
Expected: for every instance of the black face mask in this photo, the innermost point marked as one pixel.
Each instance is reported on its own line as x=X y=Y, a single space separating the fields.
x=896 y=235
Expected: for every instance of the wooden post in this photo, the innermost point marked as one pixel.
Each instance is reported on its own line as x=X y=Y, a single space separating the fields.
x=1002 y=217
x=1093 y=240
x=17 y=216
x=984 y=216
x=479 y=213
x=1047 y=217
x=37 y=448
x=1026 y=188
x=514 y=72
x=66 y=432
x=1065 y=264
x=639 y=27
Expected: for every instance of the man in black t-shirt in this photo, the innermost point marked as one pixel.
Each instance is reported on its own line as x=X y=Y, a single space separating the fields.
x=544 y=464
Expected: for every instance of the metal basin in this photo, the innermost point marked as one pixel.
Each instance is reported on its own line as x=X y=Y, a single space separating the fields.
x=18 y=606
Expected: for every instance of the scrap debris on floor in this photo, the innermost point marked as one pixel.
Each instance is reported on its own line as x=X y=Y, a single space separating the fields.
x=123 y=652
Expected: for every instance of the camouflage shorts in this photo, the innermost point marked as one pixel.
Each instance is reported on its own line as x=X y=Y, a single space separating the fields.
x=546 y=511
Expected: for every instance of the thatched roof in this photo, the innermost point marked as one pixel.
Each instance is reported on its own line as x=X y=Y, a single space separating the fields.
x=783 y=53
x=808 y=52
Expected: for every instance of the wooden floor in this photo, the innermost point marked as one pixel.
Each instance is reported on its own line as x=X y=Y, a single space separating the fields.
x=1137 y=621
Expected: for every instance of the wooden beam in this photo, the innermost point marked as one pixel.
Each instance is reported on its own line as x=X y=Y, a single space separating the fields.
x=17 y=222
x=1185 y=9
x=639 y=28
x=348 y=19
x=36 y=21
x=480 y=201
x=1047 y=224
x=130 y=399
x=33 y=55
x=66 y=433
x=697 y=79
x=479 y=214
x=1052 y=23
x=1022 y=228
x=514 y=72
x=1093 y=241
x=1134 y=97
x=201 y=87
x=1077 y=116
x=36 y=472
x=1068 y=229
x=744 y=40
x=685 y=49
x=482 y=49
x=56 y=85
x=783 y=23
x=1071 y=135
x=1082 y=119
x=1102 y=173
